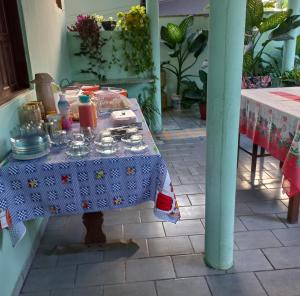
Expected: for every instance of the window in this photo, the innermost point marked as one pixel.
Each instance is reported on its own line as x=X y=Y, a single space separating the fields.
x=13 y=68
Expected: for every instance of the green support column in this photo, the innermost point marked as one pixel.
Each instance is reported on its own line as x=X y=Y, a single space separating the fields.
x=152 y=7
x=226 y=40
x=289 y=51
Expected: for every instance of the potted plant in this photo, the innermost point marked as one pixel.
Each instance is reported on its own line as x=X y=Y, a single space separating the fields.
x=182 y=43
x=279 y=24
x=193 y=94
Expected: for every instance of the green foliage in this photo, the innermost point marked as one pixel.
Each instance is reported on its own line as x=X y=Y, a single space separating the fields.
x=146 y=102
x=270 y=4
x=279 y=25
x=135 y=34
x=134 y=27
x=192 y=93
x=183 y=43
x=274 y=20
x=254 y=14
x=91 y=44
x=291 y=78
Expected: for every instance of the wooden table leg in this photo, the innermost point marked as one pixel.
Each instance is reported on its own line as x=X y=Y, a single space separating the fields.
x=293 y=209
x=254 y=158
x=93 y=223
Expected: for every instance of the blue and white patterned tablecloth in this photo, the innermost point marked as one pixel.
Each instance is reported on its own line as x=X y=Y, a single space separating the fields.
x=58 y=185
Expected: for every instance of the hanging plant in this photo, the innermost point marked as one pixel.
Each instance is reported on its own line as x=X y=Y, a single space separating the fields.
x=135 y=34
x=134 y=27
x=91 y=44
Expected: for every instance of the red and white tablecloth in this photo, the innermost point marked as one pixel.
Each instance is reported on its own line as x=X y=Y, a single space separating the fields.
x=271 y=118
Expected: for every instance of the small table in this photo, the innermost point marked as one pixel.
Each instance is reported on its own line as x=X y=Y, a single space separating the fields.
x=57 y=185
x=270 y=117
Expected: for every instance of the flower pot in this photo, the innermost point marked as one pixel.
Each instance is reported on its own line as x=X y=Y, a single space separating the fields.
x=109 y=25
x=176 y=102
x=202 y=109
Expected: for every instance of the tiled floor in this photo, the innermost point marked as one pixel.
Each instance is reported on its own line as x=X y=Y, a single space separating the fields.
x=169 y=260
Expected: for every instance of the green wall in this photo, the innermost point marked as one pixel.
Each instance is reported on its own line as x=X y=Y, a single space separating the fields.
x=103 y=7
x=44 y=24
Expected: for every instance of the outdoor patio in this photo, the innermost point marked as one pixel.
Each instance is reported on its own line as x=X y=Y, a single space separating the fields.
x=169 y=260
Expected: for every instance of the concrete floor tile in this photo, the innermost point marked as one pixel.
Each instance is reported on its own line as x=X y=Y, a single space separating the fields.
x=149 y=269
x=242 y=209
x=285 y=257
x=256 y=240
x=193 y=212
x=281 y=282
x=188 y=189
x=86 y=291
x=185 y=227
x=283 y=219
x=42 y=293
x=113 y=232
x=131 y=251
x=197 y=199
x=262 y=221
x=121 y=217
x=132 y=289
x=147 y=215
x=288 y=237
x=175 y=180
x=54 y=278
x=267 y=207
x=178 y=287
x=79 y=258
x=44 y=260
x=195 y=179
x=144 y=230
x=198 y=243
x=169 y=246
x=249 y=260
x=238 y=225
x=243 y=185
x=192 y=265
x=183 y=200
x=244 y=284
x=100 y=273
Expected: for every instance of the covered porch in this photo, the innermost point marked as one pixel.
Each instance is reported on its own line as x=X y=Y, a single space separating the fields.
x=233 y=237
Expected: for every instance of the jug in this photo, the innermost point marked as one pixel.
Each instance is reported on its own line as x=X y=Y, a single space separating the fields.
x=44 y=91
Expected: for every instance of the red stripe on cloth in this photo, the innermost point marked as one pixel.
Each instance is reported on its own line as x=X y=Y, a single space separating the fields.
x=286 y=95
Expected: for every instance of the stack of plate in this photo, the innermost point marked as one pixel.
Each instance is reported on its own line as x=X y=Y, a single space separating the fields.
x=30 y=146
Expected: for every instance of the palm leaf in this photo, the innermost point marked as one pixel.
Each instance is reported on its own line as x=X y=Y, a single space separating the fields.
x=175 y=34
x=298 y=46
x=282 y=32
x=186 y=23
x=254 y=14
x=164 y=34
x=198 y=43
x=274 y=20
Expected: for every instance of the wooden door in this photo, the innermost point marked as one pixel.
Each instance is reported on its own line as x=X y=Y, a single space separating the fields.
x=8 y=81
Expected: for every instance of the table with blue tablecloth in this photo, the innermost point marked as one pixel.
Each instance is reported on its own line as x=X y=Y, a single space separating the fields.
x=57 y=185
